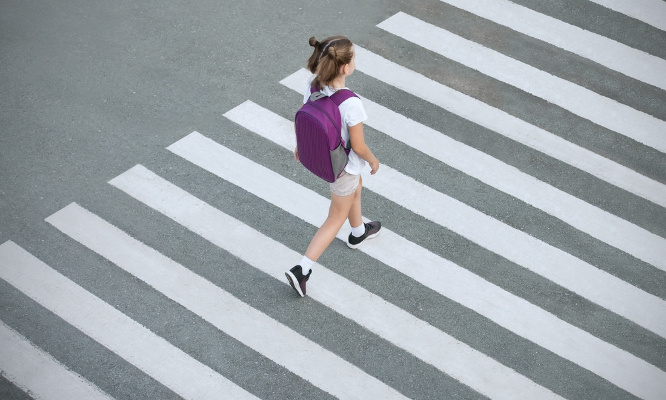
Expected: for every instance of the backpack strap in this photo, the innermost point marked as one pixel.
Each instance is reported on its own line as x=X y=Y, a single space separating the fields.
x=341 y=95
x=338 y=97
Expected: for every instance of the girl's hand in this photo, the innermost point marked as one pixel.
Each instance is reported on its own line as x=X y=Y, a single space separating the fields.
x=296 y=155
x=374 y=166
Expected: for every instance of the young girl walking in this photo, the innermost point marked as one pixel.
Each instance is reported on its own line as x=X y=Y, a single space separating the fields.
x=332 y=61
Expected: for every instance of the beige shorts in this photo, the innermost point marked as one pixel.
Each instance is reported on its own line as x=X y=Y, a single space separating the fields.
x=346 y=184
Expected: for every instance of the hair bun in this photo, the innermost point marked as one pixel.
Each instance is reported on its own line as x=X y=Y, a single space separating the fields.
x=313 y=42
x=331 y=51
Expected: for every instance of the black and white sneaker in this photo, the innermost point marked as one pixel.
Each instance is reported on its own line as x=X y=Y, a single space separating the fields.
x=371 y=230
x=297 y=279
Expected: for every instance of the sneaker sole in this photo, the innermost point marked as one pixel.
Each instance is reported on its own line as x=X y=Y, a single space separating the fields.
x=355 y=246
x=292 y=279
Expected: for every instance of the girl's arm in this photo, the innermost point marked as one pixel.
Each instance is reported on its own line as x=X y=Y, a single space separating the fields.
x=361 y=148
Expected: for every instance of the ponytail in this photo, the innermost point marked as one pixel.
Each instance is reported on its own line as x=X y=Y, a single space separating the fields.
x=328 y=57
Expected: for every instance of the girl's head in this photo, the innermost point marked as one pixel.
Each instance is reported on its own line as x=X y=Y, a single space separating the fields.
x=331 y=58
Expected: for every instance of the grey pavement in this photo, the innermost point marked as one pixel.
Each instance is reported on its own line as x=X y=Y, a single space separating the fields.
x=90 y=89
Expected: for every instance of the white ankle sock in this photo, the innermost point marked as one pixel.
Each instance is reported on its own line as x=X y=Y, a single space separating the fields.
x=358 y=231
x=306 y=264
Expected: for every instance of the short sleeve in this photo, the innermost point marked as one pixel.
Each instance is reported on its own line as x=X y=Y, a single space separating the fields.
x=353 y=111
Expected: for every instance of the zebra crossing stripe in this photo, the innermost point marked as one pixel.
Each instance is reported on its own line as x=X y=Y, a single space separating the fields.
x=443 y=276
x=574 y=274
x=151 y=353
x=583 y=216
x=218 y=307
x=601 y=110
x=447 y=354
x=37 y=373
x=607 y=52
x=498 y=121
x=652 y=12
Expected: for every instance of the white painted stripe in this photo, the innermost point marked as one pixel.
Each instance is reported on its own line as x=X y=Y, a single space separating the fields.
x=38 y=374
x=583 y=216
x=652 y=12
x=437 y=273
x=607 y=52
x=229 y=314
x=560 y=267
x=142 y=348
x=601 y=110
x=372 y=312
x=505 y=124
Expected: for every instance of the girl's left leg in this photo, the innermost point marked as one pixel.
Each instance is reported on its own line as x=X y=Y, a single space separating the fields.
x=355 y=216
x=360 y=231
x=337 y=214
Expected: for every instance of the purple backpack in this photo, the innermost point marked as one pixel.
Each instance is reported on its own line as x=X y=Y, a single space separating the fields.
x=321 y=149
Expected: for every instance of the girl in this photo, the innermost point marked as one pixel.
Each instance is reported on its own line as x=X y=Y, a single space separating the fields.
x=332 y=61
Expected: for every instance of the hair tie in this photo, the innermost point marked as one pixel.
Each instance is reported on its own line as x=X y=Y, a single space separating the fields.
x=324 y=50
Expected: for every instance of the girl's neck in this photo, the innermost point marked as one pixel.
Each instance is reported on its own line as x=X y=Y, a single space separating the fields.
x=338 y=83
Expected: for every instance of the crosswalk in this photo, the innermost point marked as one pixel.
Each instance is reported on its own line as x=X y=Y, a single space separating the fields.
x=612 y=54
x=601 y=110
x=21 y=362
x=455 y=303
x=651 y=12
x=500 y=238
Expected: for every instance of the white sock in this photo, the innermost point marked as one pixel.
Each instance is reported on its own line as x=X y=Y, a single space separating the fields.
x=358 y=231
x=306 y=264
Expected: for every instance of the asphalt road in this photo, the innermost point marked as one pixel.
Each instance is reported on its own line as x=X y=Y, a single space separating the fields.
x=91 y=89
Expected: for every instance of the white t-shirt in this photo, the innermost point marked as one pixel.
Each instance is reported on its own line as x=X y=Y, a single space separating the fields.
x=352 y=113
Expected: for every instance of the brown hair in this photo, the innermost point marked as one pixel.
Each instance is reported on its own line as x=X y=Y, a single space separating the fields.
x=327 y=58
